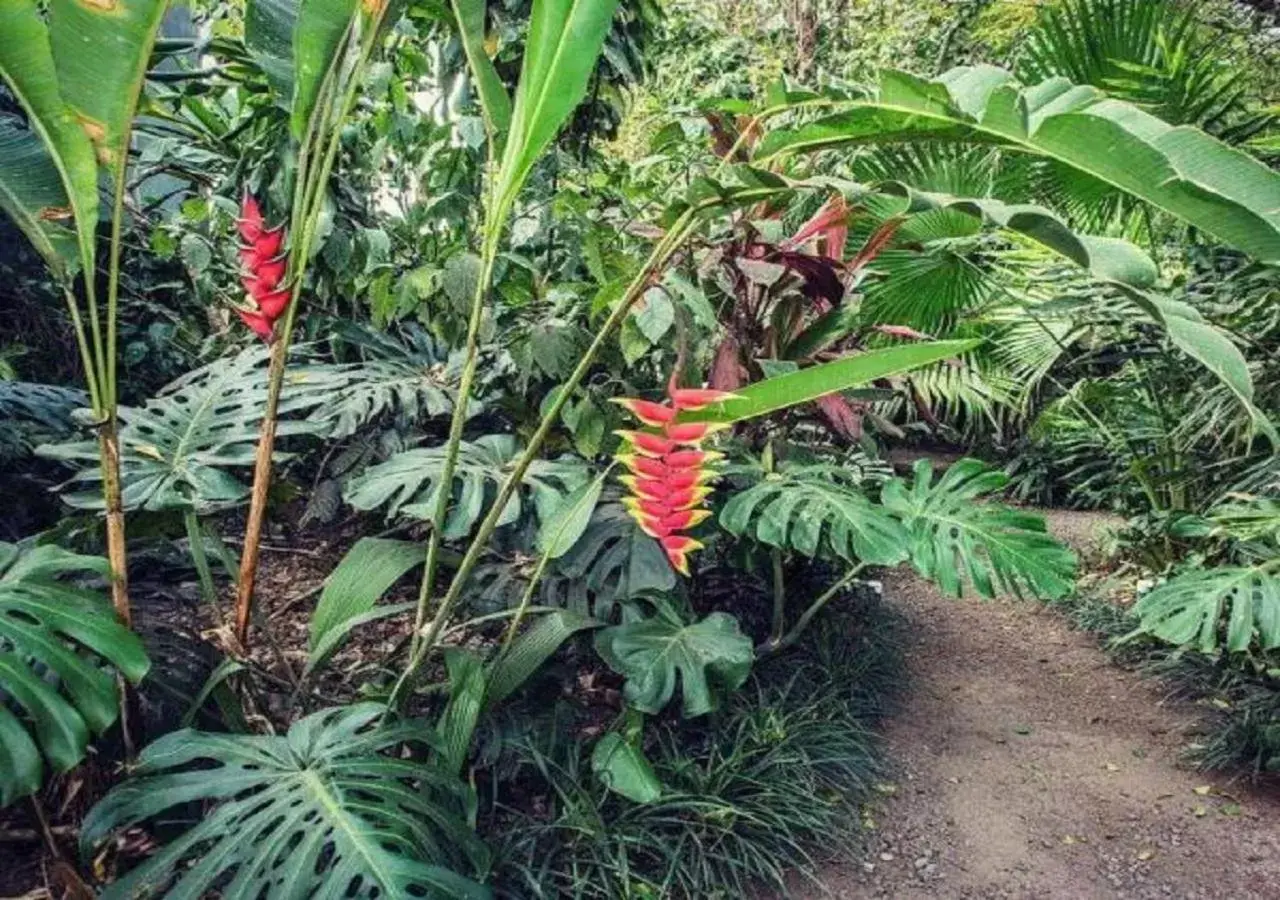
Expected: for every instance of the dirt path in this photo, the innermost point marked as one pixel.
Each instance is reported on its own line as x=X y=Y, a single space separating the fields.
x=1028 y=766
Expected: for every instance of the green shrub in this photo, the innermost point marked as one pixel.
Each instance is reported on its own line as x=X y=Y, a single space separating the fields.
x=768 y=785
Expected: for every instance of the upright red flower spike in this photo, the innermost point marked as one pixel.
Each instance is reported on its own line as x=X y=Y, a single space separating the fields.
x=669 y=468
x=264 y=267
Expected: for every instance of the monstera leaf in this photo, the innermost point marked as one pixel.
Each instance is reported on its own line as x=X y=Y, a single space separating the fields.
x=816 y=509
x=32 y=413
x=613 y=560
x=176 y=451
x=325 y=811
x=655 y=653
x=54 y=641
x=1191 y=608
x=955 y=535
x=408 y=379
x=408 y=482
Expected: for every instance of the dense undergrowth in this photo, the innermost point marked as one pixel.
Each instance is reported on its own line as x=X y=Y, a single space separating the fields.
x=1238 y=703
x=564 y=347
x=763 y=789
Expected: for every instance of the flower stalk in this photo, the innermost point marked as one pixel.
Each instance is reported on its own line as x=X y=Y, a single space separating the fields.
x=316 y=157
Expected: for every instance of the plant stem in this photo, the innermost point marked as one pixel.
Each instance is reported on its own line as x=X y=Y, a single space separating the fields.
x=453 y=445
x=308 y=200
x=195 y=538
x=779 y=597
x=117 y=555
x=657 y=258
x=814 y=608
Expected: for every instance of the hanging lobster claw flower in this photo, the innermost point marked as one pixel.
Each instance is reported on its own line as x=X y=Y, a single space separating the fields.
x=646 y=488
x=693 y=399
x=250 y=223
x=684 y=519
x=258 y=323
x=649 y=413
x=669 y=469
x=691 y=459
x=692 y=432
x=654 y=445
x=267 y=247
x=265 y=277
x=678 y=547
x=638 y=464
x=274 y=304
x=264 y=267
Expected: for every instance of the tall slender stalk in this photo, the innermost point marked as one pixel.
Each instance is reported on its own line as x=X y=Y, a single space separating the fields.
x=489 y=254
x=814 y=608
x=308 y=201
x=658 y=257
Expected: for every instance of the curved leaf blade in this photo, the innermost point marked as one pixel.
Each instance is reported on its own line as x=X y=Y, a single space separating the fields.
x=494 y=100
x=27 y=67
x=1178 y=169
x=809 y=384
x=565 y=39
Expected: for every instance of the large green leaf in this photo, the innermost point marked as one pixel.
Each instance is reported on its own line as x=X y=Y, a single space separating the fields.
x=466 y=700
x=317 y=39
x=569 y=519
x=565 y=38
x=407 y=483
x=330 y=810
x=613 y=561
x=1190 y=333
x=405 y=377
x=368 y=570
x=493 y=94
x=793 y=388
x=27 y=67
x=54 y=641
x=176 y=451
x=622 y=767
x=1181 y=170
x=268 y=36
x=102 y=51
x=32 y=194
x=529 y=651
x=816 y=509
x=1108 y=259
x=957 y=535
x=1191 y=607
x=653 y=654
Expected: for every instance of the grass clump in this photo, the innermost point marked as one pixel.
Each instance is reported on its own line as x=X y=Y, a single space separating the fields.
x=767 y=786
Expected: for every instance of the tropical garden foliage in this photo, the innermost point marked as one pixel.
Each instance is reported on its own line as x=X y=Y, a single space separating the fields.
x=477 y=463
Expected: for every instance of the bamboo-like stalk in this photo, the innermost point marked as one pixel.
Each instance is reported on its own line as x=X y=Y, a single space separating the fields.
x=308 y=198
x=117 y=553
x=261 y=485
x=658 y=258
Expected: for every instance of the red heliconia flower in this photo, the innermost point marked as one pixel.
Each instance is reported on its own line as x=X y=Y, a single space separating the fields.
x=678 y=547
x=698 y=398
x=250 y=223
x=654 y=445
x=257 y=322
x=264 y=267
x=644 y=465
x=649 y=413
x=273 y=304
x=691 y=432
x=669 y=469
x=691 y=459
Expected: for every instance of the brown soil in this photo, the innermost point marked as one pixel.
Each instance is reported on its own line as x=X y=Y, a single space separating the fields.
x=1030 y=767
